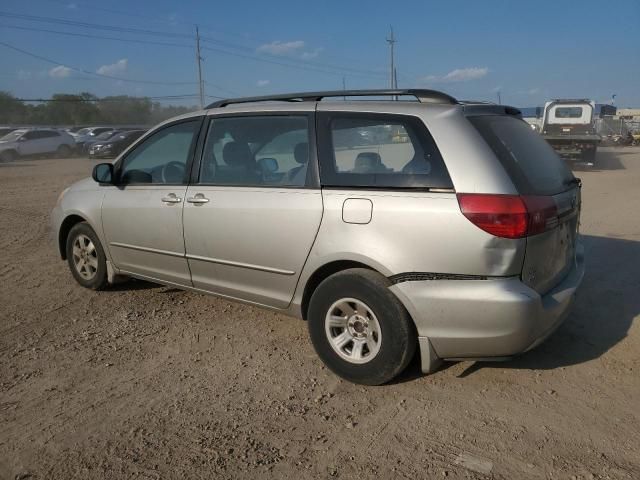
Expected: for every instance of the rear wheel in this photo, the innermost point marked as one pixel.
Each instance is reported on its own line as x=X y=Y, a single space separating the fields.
x=86 y=257
x=64 y=151
x=359 y=328
x=8 y=156
x=588 y=155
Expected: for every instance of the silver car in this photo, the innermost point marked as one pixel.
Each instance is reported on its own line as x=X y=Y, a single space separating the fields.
x=32 y=142
x=446 y=226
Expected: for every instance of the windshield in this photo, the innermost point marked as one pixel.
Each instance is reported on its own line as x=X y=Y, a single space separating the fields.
x=83 y=131
x=13 y=136
x=105 y=135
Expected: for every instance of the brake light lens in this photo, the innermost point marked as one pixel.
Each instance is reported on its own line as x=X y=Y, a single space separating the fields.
x=509 y=216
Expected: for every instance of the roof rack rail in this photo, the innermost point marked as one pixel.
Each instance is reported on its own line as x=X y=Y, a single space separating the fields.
x=423 y=96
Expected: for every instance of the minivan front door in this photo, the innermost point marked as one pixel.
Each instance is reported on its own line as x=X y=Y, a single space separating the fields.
x=252 y=214
x=142 y=215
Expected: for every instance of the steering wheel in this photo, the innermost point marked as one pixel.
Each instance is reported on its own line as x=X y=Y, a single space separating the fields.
x=171 y=171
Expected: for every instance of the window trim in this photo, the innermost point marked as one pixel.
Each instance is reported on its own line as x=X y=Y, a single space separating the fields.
x=327 y=151
x=119 y=163
x=312 y=180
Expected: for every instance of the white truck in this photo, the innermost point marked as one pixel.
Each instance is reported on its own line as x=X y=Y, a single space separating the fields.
x=568 y=125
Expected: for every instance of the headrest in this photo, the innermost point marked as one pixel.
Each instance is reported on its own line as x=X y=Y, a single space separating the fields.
x=367 y=160
x=301 y=153
x=237 y=154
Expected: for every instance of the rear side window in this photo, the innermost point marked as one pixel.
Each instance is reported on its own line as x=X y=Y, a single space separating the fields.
x=379 y=151
x=534 y=167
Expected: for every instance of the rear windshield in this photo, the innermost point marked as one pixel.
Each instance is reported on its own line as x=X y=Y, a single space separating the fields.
x=534 y=167
x=568 y=112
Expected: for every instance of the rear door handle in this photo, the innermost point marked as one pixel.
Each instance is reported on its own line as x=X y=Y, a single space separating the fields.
x=171 y=198
x=198 y=199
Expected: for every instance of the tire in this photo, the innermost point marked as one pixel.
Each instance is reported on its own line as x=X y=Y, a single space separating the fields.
x=8 y=156
x=88 y=263
x=64 y=151
x=588 y=155
x=380 y=324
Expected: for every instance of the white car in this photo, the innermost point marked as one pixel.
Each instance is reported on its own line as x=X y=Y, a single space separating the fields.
x=32 y=142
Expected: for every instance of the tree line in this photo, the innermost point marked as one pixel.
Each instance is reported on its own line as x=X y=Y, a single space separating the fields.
x=85 y=109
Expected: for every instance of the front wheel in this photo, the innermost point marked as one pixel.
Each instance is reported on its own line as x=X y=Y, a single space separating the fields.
x=64 y=151
x=8 y=156
x=589 y=155
x=359 y=328
x=86 y=257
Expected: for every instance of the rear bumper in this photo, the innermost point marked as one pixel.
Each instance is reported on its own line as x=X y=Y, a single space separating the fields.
x=487 y=318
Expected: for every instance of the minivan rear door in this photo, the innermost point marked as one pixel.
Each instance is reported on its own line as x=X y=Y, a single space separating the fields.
x=253 y=207
x=541 y=177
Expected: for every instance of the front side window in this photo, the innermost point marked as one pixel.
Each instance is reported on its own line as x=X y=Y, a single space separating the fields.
x=265 y=150
x=568 y=112
x=379 y=151
x=162 y=158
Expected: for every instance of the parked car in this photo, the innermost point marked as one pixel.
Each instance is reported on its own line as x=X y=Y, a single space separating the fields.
x=74 y=130
x=88 y=135
x=103 y=137
x=5 y=130
x=460 y=241
x=114 y=145
x=34 y=142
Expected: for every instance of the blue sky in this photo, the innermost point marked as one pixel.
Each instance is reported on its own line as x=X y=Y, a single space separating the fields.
x=529 y=51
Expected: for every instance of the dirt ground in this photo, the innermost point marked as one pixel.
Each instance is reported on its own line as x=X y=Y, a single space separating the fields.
x=144 y=381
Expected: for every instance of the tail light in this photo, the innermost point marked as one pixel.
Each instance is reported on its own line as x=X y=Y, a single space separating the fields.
x=509 y=216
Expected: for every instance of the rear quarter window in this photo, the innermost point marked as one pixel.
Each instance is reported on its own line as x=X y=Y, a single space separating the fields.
x=372 y=150
x=534 y=167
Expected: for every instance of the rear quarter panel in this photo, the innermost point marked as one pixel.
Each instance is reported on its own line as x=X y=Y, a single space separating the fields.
x=410 y=232
x=417 y=231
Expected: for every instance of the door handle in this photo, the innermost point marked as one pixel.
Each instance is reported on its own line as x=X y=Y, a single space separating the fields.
x=198 y=199
x=171 y=198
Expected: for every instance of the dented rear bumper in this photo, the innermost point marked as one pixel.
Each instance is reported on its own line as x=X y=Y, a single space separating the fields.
x=481 y=319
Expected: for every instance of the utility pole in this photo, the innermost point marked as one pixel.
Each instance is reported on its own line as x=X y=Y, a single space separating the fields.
x=499 y=98
x=391 y=40
x=199 y=62
x=344 y=87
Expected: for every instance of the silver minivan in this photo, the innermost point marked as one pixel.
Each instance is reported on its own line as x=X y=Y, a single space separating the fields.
x=389 y=225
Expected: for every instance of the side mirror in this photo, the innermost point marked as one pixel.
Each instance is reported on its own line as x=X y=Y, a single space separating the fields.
x=103 y=173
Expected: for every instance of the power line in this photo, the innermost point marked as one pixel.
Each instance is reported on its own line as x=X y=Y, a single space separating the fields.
x=87 y=35
x=130 y=14
x=110 y=99
x=112 y=28
x=202 y=26
x=281 y=63
x=277 y=60
x=87 y=72
x=101 y=37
